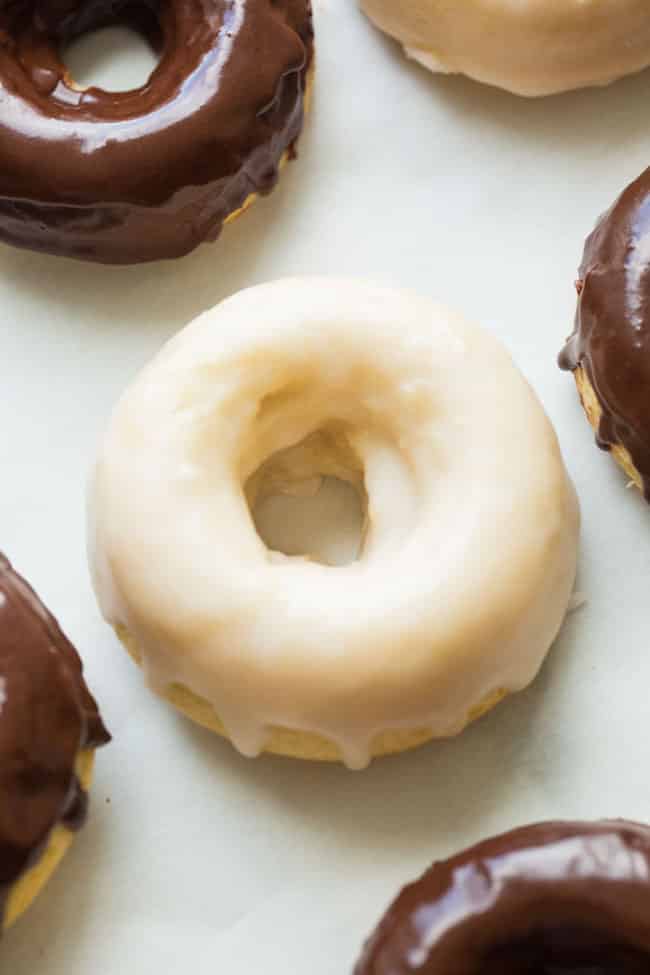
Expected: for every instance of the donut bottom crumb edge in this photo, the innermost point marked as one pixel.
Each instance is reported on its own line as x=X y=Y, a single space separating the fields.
x=290 y=743
x=25 y=890
x=594 y=412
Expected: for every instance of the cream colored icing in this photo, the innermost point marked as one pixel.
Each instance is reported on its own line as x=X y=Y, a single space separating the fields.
x=469 y=550
x=530 y=47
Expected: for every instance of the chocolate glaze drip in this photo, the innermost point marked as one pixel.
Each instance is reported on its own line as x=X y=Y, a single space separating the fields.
x=552 y=899
x=47 y=716
x=611 y=339
x=122 y=177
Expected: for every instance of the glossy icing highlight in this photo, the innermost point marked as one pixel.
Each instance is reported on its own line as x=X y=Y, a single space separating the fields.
x=564 y=898
x=131 y=176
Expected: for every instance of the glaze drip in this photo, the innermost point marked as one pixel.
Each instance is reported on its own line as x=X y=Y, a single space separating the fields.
x=47 y=716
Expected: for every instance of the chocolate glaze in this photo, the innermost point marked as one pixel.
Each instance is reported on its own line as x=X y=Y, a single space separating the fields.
x=47 y=716
x=122 y=177
x=564 y=898
x=611 y=339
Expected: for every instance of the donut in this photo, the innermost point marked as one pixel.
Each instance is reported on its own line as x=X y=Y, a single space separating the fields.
x=562 y=898
x=124 y=177
x=49 y=730
x=609 y=350
x=470 y=521
x=529 y=47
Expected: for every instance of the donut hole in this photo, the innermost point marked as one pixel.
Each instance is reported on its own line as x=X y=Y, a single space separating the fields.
x=570 y=951
x=116 y=58
x=309 y=500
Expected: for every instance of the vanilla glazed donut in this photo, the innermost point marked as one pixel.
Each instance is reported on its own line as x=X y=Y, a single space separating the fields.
x=130 y=176
x=49 y=730
x=471 y=523
x=609 y=349
x=558 y=898
x=529 y=47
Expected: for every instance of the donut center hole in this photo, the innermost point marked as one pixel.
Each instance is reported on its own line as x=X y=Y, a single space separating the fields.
x=309 y=500
x=115 y=58
x=571 y=951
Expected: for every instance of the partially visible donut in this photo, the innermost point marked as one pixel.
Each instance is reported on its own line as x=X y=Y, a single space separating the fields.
x=564 y=898
x=471 y=522
x=122 y=177
x=529 y=47
x=609 y=350
x=49 y=730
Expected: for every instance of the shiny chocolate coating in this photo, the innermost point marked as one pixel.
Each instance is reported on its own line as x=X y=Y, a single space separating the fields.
x=123 y=177
x=611 y=339
x=565 y=898
x=47 y=716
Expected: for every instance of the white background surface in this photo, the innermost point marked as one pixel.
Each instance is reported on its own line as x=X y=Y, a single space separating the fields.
x=194 y=858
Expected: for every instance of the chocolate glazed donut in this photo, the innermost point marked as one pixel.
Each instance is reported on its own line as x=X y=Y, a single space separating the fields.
x=609 y=350
x=562 y=898
x=47 y=716
x=122 y=177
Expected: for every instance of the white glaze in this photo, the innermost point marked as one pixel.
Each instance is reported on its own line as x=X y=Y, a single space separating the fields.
x=530 y=47
x=470 y=545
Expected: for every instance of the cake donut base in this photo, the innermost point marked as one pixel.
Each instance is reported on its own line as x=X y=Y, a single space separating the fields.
x=593 y=411
x=298 y=744
x=30 y=884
